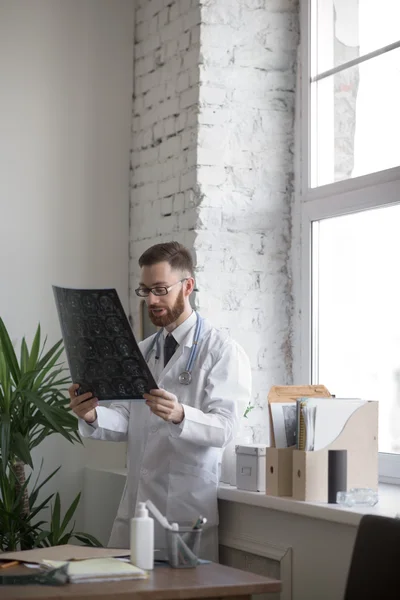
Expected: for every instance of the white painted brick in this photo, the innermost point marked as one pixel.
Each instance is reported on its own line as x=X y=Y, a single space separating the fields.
x=182 y=81
x=210 y=219
x=136 y=123
x=166 y=169
x=184 y=41
x=191 y=58
x=158 y=130
x=174 y=11
x=180 y=121
x=211 y=36
x=149 y=81
x=142 y=31
x=184 y=6
x=187 y=219
x=213 y=116
x=148 y=192
x=168 y=188
x=189 y=97
x=171 y=69
x=148 y=118
x=144 y=65
x=166 y=225
x=172 y=30
x=188 y=180
x=222 y=13
x=151 y=8
x=212 y=175
x=191 y=19
x=169 y=126
x=212 y=95
x=149 y=156
x=139 y=16
x=194 y=77
x=163 y=17
x=168 y=108
x=188 y=137
x=211 y=137
x=191 y=116
x=179 y=203
x=148 y=45
x=166 y=206
x=138 y=105
x=211 y=157
x=191 y=158
x=172 y=48
x=179 y=163
x=195 y=36
x=153 y=27
x=170 y=89
x=190 y=198
x=170 y=147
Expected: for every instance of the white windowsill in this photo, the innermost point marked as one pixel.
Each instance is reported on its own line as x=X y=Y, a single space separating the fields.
x=388 y=505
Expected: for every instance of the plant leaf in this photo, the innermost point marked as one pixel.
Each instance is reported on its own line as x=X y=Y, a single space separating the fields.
x=35 y=348
x=87 y=539
x=5 y=440
x=20 y=449
x=70 y=513
x=8 y=350
x=24 y=356
x=55 y=518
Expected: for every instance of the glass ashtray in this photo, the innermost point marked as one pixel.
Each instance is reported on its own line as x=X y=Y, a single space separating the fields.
x=357 y=496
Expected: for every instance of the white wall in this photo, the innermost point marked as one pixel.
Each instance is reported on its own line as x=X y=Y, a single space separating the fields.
x=65 y=119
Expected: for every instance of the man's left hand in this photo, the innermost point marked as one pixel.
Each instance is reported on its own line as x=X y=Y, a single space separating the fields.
x=165 y=405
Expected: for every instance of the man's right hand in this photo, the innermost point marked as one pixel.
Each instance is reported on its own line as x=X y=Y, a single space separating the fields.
x=84 y=406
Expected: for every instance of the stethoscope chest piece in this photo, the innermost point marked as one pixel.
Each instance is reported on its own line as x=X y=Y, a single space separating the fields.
x=185 y=378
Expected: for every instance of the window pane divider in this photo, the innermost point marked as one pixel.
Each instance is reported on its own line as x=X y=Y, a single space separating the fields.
x=355 y=61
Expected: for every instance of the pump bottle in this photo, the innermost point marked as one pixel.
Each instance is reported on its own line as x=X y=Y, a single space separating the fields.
x=142 y=538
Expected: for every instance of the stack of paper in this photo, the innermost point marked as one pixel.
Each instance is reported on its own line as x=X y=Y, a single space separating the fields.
x=99 y=569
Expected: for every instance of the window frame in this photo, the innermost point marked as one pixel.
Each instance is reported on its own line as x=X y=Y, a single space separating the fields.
x=315 y=203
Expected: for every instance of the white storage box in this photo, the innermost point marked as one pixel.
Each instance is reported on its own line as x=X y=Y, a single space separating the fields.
x=251 y=467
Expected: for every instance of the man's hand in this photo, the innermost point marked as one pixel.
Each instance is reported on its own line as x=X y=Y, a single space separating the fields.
x=165 y=405
x=84 y=405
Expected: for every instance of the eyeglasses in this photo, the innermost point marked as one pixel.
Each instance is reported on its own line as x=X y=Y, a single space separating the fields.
x=157 y=291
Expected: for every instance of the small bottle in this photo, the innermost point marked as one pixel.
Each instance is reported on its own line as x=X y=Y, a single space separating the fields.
x=142 y=538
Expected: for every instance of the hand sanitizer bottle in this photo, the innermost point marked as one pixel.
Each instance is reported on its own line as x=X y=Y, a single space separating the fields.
x=142 y=538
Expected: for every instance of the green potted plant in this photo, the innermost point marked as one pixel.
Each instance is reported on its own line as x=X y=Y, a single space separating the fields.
x=32 y=407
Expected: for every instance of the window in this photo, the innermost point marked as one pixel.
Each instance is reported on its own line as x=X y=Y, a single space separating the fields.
x=355 y=88
x=349 y=203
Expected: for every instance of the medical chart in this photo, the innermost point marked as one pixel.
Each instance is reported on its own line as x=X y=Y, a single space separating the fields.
x=102 y=352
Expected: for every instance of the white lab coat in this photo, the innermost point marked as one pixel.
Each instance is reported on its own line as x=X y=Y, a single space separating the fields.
x=178 y=466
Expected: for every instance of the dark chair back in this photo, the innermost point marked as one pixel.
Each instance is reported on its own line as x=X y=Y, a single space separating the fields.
x=375 y=564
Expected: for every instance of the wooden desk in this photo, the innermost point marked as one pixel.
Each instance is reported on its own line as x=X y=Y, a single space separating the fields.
x=212 y=581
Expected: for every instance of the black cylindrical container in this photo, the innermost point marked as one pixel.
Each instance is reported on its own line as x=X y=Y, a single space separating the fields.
x=337 y=473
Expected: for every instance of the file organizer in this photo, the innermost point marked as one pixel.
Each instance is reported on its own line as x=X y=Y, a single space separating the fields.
x=279 y=461
x=359 y=437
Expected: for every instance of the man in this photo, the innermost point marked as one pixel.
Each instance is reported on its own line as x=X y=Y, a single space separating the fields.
x=175 y=438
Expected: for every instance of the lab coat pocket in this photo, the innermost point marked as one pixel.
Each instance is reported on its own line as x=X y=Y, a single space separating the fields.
x=192 y=491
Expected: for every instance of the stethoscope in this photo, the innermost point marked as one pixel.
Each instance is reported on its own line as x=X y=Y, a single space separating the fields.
x=186 y=376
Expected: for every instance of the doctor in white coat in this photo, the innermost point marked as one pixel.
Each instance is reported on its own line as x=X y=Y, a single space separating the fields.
x=176 y=437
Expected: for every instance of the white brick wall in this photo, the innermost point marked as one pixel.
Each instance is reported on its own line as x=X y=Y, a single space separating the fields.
x=165 y=106
x=212 y=164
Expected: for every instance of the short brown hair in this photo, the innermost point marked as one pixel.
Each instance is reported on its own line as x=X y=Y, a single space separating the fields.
x=173 y=253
